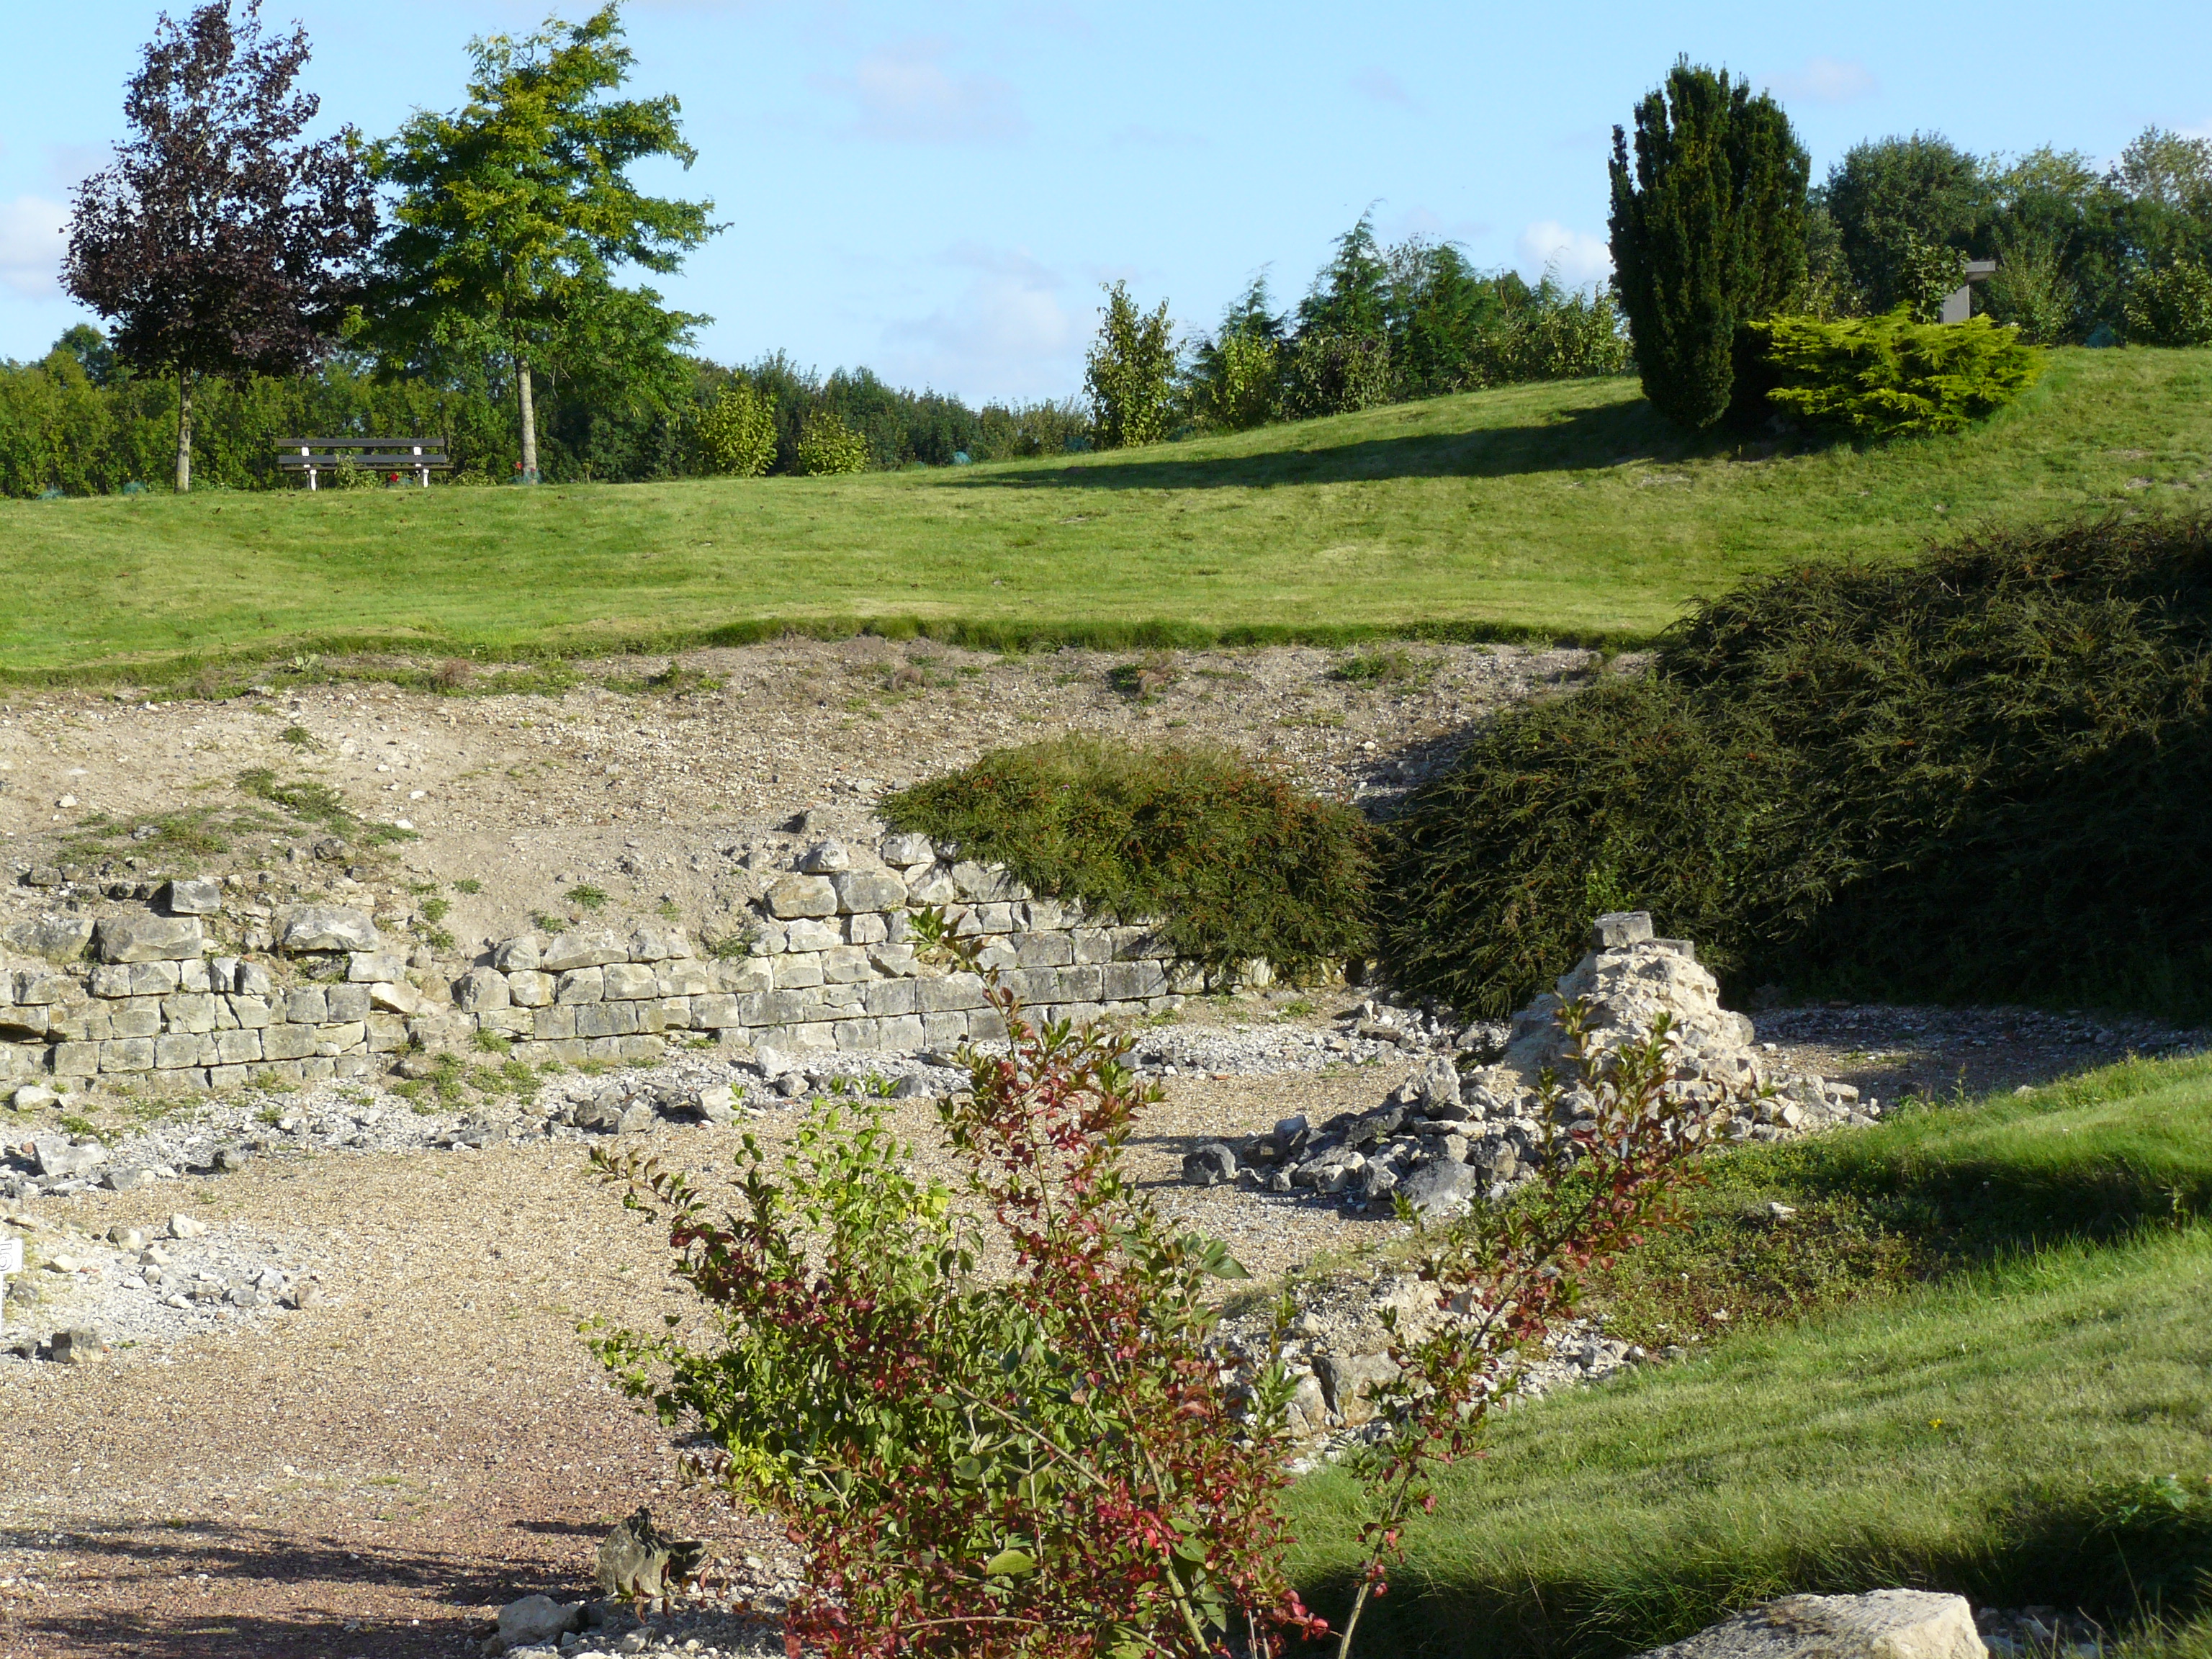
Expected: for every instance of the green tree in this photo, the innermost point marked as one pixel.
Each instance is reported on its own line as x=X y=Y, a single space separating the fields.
x=1887 y=193
x=1351 y=295
x=1235 y=375
x=514 y=210
x=1708 y=234
x=1130 y=372
x=828 y=445
x=2171 y=306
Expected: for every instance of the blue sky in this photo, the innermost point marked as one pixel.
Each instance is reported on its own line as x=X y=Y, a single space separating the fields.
x=937 y=192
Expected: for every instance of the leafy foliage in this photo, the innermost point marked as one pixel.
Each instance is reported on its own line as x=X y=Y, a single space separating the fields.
x=1336 y=374
x=1708 y=234
x=828 y=445
x=2171 y=306
x=737 y=434
x=1037 y=1460
x=1896 y=200
x=1233 y=861
x=222 y=243
x=1973 y=777
x=1888 y=376
x=1130 y=372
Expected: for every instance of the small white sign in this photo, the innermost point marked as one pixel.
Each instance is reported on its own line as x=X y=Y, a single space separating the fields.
x=11 y=1256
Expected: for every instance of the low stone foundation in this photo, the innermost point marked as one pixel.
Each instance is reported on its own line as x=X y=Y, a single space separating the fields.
x=170 y=992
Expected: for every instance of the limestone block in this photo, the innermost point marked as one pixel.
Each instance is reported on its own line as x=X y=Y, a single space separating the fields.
x=901 y=1032
x=986 y=1025
x=280 y=1071
x=769 y=937
x=341 y=1039
x=649 y=944
x=319 y=1069
x=482 y=988
x=148 y=938
x=189 y=897
x=669 y=1013
x=868 y=889
x=985 y=883
x=1079 y=984
x=571 y=951
x=93 y=1025
x=193 y=977
x=347 y=1003
x=58 y=938
x=581 y=985
x=896 y=960
x=520 y=954
x=904 y=852
x=952 y=993
x=41 y=987
x=108 y=980
x=1032 y=984
x=1043 y=950
x=554 y=1024
x=944 y=1030
x=627 y=982
x=369 y=966
x=182 y=1048
x=641 y=1050
x=866 y=928
x=528 y=988
x=997 y=955
x=846 y=964
x=387 y=1033
x=76 y=1059
x=746 y=974
x=141 y=1017
x=606 y=1019
x=1127 y=982
x=126 y=1055
x=251 y=1014
x=1091 y=945
x=995 y=918
x=861 y=1035
x=1041 y=916
x=289 y=1041
x=1348 y=1381
x=237 y=1048
x=934 y=885
x=808 y=935
x=1885 y=1623
x=682 y=978
x=397 y=997
x=793 y=896
x=327 y=928
x=896 y=996
x=514 y=1022
x=310 y=1004
x=155 y=979
x=716 y=1011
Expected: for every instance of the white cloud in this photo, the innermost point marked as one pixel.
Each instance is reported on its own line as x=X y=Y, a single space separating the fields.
x=904 y=94
x=1825 y=80
x=33 y=239
x=1006 y=334
x=1382 y=87
x=1576 y=257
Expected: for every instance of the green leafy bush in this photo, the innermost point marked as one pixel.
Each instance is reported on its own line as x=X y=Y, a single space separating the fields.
x=1233 y=861
x=1981 y=775
x=1888 y=376
x=2171 y=306
x=737 y=434
x=1336 y=374
x=1130 y=372
x=828 y=445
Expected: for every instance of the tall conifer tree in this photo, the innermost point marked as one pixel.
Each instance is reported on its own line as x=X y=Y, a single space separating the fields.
x=1708 y=233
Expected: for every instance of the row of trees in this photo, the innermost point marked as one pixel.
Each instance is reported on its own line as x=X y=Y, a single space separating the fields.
x=1716 y=228
x=224 y=244
x=1379 y=324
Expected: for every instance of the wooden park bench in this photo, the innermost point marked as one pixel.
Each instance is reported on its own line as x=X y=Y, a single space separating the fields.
x=314 y=456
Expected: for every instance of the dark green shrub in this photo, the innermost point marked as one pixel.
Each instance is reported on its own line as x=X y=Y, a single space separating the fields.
x=1982 y=776
x=1888 y=376
x=1234 y=862
x=1336 y=374
x=1708 y=233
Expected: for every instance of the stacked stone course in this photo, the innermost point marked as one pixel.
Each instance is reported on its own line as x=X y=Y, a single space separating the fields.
x=832 y=966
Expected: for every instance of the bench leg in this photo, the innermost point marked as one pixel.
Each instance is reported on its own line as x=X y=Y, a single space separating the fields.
x=311 y=478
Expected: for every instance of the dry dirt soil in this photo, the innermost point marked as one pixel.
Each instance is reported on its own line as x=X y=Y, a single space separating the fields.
x=372 y=1475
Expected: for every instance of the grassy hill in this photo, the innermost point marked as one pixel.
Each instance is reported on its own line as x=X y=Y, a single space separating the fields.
x=2004 y=1394
x=1557 y=510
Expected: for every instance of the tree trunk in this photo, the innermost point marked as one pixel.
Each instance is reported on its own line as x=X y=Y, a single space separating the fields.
x=529 y=420
x=184 y=431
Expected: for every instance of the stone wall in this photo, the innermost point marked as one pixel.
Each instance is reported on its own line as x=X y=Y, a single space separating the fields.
x=177 y=991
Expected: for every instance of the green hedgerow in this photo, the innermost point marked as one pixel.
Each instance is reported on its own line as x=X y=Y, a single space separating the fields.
x=1232 y=860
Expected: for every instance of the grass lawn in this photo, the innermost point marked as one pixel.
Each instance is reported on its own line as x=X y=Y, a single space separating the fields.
x=2033 y=1425
x=1563 y=510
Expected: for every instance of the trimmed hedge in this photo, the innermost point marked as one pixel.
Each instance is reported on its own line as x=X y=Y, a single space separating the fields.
x=1984 y=776
x=1890 y=377
x=1233 y=861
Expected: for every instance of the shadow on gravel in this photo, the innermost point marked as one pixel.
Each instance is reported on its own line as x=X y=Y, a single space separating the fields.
x=264 y=1596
